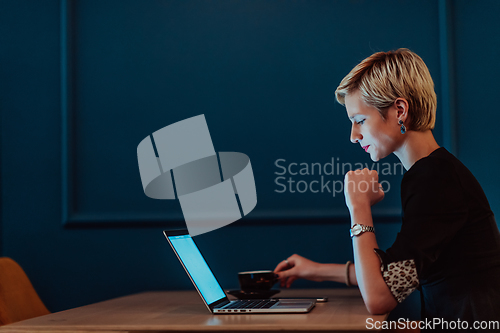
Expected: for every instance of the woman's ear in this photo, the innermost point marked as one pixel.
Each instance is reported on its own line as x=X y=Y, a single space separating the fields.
x=401 y=105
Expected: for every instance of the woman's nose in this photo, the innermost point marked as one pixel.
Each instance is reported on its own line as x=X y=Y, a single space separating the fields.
x=355 y=135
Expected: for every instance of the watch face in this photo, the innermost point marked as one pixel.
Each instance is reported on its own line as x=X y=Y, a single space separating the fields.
x=356 y=229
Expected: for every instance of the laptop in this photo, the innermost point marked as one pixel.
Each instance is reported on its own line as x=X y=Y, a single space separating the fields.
x=210 y=290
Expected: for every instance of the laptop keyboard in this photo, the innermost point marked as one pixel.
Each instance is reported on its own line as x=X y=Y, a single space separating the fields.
x=251 y=304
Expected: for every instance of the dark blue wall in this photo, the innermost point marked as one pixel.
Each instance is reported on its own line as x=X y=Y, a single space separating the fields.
x=73 y=211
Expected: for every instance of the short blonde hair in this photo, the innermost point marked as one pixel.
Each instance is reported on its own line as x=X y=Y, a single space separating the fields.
x=385 y=76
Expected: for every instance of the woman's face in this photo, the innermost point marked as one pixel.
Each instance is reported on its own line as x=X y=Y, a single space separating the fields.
x=377 y=136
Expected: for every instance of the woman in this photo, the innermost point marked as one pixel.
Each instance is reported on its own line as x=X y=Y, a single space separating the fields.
x=449 y=243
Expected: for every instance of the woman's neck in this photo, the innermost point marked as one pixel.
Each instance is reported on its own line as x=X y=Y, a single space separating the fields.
x=416 y=145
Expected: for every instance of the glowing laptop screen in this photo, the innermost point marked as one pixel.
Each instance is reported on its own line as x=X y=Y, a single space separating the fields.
x=197 y=268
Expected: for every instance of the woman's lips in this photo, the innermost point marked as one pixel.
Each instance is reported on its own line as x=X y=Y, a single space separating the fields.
x=366 y=148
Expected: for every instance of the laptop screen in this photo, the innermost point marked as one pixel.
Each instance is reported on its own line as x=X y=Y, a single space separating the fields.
x=197 y=268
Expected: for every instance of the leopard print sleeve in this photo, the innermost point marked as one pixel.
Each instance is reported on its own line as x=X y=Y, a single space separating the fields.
x=401 y=277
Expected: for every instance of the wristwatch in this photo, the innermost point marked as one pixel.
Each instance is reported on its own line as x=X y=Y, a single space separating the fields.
x=358 y=229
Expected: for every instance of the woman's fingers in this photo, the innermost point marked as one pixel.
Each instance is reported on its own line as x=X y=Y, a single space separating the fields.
x=290 y=281
x=287 y=273
x=283 y=265
x=287 y=282
x=362 y=187
x=290 y=270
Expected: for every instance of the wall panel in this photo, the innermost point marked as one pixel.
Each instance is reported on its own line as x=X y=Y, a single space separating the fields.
x=477 y=52
x=263 y=73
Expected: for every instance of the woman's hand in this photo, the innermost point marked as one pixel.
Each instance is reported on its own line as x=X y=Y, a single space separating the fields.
x=297 y=267
x=361 y=187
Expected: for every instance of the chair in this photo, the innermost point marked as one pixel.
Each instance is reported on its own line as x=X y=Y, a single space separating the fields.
x=18 y=298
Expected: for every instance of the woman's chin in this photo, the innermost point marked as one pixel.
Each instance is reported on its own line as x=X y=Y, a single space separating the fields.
x=374 y=157
x=378 y=157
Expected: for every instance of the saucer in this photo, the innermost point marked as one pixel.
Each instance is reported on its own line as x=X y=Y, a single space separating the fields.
x=255 y=294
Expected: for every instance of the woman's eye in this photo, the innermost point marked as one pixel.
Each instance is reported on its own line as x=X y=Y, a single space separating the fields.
x=360 y=122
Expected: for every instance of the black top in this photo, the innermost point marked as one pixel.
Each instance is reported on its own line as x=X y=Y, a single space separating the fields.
x=450 y=235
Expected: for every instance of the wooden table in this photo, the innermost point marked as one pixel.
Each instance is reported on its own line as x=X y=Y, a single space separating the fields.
x=184 y=311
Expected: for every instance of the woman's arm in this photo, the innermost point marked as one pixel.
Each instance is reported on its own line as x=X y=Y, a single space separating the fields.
x=361 y=189
x=376 y=294
x=297 y=267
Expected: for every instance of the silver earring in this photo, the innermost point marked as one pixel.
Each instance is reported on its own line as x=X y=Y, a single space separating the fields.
x=403 y=127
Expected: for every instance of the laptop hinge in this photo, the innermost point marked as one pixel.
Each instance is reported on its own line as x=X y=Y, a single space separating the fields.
x=219 y=304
